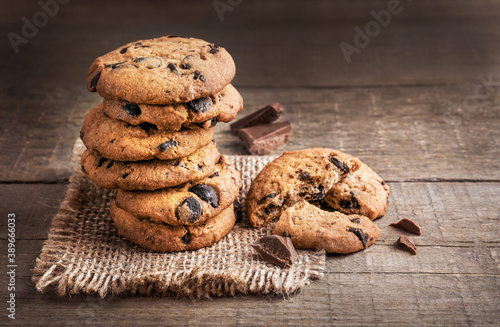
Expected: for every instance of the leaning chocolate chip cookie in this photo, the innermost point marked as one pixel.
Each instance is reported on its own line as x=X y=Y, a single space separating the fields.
x=189 y=204
x=164 y=70
x=117 y=140
x=298 y=175
x=166 y=238
x=151 y=174
x=312 y=228
x=363 y=192
x=202 y=112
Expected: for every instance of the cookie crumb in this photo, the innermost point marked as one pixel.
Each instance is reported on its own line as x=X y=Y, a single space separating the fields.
x=407 y=244
x=408 y=225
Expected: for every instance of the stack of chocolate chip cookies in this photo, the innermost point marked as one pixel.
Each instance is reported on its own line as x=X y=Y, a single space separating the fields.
x=151 y=139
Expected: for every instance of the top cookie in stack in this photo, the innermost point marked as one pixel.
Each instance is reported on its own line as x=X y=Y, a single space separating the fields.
x=152 y=138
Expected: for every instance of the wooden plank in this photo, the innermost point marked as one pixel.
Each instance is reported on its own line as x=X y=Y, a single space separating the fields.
x=403 y=133
x=451 y=294
x=450 y=214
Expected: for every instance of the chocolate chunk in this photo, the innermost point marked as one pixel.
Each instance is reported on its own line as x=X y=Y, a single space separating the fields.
x=304 y=176
x=213 y=122
x=172 y=68
x=214 y=50
x=184 y=63
x=269 y=196
x=407 y=244
x=138 y=44
x=319 y=196
x=164 y=146
x=186 y=238
x=277 y=250
x=197 y=74
x=93 y=81
x=355 y=220
x=339 y=164
x=148 y=127
x=101 y=162
x=189 y=211
x=360 y=234
x=408 y=225
x=206 y=193
x=132 y=109
x=350 y=203
x=123 y=50
x=125 y=175
x=200 y=105
x=214 y=175
x=264 y=115
x=263 y=139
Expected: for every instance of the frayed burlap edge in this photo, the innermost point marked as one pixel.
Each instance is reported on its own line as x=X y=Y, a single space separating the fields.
x=78 y=259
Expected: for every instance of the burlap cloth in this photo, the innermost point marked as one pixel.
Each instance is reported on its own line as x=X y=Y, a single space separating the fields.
x=84 y=253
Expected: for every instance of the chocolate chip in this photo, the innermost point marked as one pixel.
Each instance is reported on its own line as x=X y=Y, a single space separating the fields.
x=164 y=146
x=186 y=238
x=304 y=175
x=197 y=74
x=220 y=160
x=148 y=127
x=360 y=234
x=138 y=44
x=172 y=68
x=356 y=220
x=200 y=105
x=340 y=165
x=214 y=50
x=94 y=80
x=189 y=211
x=185 y=66
x=125 y=175
x=319 y=196
x=132 y=109
x=285 y=234
x=382 y=182
x=213 y=122
x=269 y=196
x=206 y=193
x=101 y=162
x=350 y=203
x=214 y=175
x=124 y=50
x=110 y=164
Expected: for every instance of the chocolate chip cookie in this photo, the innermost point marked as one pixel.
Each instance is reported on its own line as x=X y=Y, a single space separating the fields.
x=166 y=238
x=117 y=140
x=298 y=175
x=189 y=204
x=362 y=192
x=151 y=174
x=202 y=112
x=312 y=228
x=164 y=70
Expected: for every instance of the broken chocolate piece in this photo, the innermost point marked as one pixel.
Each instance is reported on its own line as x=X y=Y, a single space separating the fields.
x=408 y=225
x=264 y=139
x=407 y=244
x=265 y=115
x=276 y=249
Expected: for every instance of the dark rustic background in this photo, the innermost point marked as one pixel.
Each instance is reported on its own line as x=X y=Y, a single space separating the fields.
x=420 y=104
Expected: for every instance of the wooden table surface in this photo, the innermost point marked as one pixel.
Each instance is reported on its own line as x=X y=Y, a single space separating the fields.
x=420 y=104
